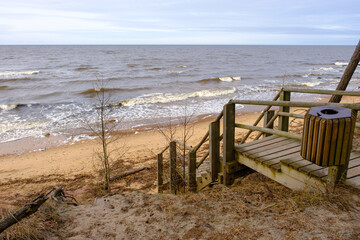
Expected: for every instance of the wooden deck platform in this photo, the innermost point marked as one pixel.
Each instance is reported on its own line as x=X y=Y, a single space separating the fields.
x=279 y=159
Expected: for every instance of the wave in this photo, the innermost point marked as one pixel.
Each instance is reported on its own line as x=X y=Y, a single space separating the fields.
x=168 y=97
x=6 y=74
x=341 y=64
x=3 y=87
x=311 y=84
x=184 y=66
x=7 y=107
x=326 y=68
x=95 y=90
x=222 y=79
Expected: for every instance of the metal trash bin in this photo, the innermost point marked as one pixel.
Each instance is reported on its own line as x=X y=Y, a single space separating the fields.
x=327 y=135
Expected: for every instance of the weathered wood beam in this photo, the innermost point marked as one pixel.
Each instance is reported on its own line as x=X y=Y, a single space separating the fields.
x=354 y=106
x=270 y=131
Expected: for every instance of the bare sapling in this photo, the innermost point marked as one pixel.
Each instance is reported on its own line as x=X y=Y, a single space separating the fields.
x=187 y=131
x=103 y=129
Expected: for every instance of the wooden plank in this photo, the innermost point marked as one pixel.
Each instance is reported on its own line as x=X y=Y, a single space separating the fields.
x=355 y=106
x=310 y=168
x=354 y=163
x=320 y=143
x=292 y=147
x=274 y=161
x=305 y=136
x=266 y=146
x=257 y=141
x=279 y=156
x=352 y=172
x=355 y=182
x=327 y=142
x=335 y=130
x=258 y=144
x=275 y=175
x=316 y=141
x=340 y=140
x=310 y=138
x=345 y=153
x=321 y=173
x=299 y=164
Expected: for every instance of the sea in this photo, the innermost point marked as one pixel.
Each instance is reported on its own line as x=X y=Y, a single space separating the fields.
x=50 y=90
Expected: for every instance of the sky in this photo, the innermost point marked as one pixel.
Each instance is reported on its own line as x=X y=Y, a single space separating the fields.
x=250 y=22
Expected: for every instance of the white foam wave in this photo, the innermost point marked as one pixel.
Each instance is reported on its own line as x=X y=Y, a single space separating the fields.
x=8 y=107
x=5 y=74
x=183 y=66
x=326 y=68
x=230 y=79
x=165 y=98
x=341 y=63
x=311 y=84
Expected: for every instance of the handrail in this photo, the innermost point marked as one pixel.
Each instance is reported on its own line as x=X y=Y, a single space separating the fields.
x=294 y=115
x=206 y=154
x=184 y=145
x=272 y=120
x=270 y=131
x=354 y=106
x=167 y=146
x=320 y=91
x=261 y=116
x=204 y=139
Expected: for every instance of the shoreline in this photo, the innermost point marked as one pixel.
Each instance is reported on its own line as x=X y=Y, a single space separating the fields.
x=142 y=144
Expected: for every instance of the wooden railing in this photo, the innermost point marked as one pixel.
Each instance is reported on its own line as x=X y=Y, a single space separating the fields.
x=213 y=153
x=283 y=114
x=213 y=135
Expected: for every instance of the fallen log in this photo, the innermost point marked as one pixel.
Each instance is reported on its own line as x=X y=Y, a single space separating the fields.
x=23 y=212
x=122 y=175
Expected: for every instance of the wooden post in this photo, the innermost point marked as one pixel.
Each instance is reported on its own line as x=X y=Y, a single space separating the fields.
x=160 y=172
x=349 y=71
x=228 y=141
x=284 y=121
x=214 y=149
x=173 y=173
x=192 y=171
x=267 y=117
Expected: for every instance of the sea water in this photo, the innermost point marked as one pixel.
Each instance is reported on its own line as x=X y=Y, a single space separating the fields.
x=51 y=89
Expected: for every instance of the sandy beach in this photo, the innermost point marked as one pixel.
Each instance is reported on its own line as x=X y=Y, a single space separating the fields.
x=141 y=213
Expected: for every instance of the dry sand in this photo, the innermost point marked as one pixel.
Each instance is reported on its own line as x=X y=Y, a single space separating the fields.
x=254 y=208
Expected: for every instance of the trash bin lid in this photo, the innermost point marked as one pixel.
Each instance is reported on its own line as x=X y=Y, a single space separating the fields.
x=330 y=112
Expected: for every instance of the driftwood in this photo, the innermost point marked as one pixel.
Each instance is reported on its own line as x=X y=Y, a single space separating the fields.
x=23 y=212
x=122 y=175
x=57 y=194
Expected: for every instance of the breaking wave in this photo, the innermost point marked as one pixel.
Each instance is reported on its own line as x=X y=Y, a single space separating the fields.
x=221 y=79
x=341 y=64
x=311 y=84
x=6 y=74
x=168 y=97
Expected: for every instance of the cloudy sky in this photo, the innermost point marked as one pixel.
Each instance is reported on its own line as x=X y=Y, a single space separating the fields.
x=314 y=22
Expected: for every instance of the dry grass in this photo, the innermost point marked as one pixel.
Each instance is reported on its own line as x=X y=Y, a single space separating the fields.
x=36 y=226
